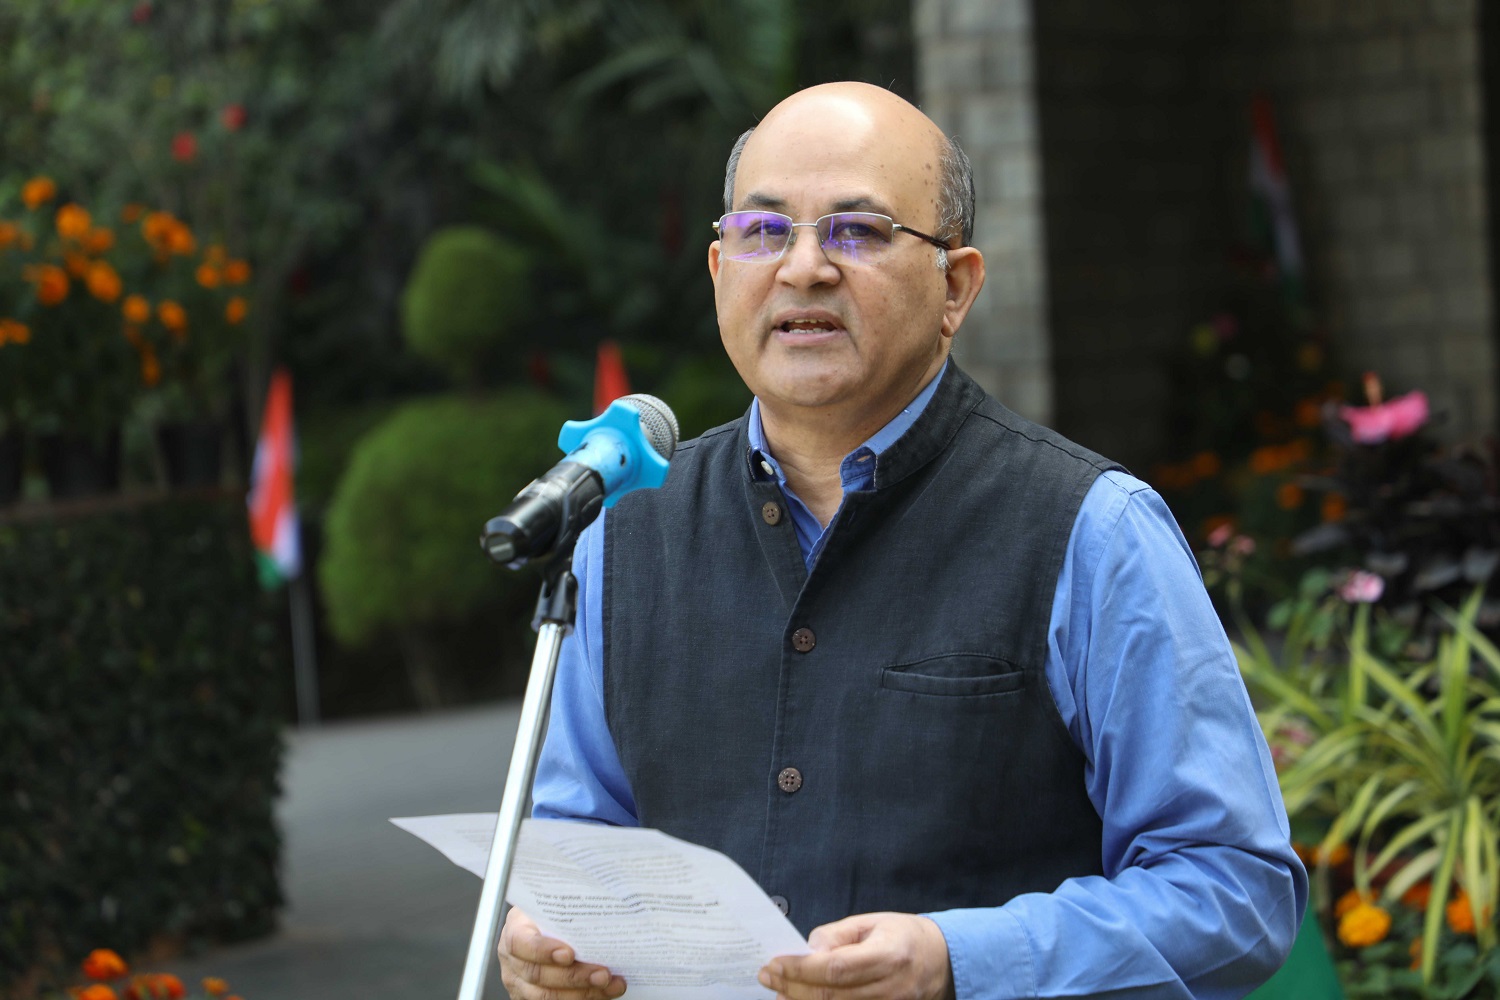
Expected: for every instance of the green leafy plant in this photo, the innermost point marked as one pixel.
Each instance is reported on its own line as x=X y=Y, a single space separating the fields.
x=1398 y=761
x=402 y=557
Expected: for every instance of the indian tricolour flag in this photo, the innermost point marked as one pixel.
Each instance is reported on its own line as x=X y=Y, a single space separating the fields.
x=1273 y=197
x=273 y=514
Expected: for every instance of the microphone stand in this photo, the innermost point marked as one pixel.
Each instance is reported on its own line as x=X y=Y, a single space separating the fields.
x=555 y=610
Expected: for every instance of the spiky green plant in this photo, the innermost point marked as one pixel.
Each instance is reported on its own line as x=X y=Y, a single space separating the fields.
x=1404 y=763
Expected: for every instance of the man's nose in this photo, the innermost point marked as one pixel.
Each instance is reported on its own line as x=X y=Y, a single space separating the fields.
x=804 y=262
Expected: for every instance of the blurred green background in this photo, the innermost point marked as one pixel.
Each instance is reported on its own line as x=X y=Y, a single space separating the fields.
x=439 y=200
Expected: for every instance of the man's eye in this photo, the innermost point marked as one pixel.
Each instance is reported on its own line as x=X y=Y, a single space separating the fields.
x=768 y=227
x=854 y=232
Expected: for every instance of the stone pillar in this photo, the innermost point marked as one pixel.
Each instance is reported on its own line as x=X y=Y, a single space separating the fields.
x=975 y=79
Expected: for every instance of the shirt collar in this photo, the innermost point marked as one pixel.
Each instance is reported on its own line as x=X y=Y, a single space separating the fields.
x=858 y=468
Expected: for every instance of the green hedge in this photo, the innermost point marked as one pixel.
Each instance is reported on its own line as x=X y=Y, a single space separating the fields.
x=141 y=710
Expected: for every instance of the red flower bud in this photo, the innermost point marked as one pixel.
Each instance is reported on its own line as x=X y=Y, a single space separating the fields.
x=184 y=147
x=233 y=117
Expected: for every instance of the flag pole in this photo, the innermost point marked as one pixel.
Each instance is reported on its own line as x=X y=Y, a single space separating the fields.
x=304 y=651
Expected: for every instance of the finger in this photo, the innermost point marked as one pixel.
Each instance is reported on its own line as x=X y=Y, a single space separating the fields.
x=842 y=932
x=521 y=938
x=520 y=989
x=843 y=967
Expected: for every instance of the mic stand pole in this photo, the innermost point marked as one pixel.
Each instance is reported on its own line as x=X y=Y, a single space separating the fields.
x=553 y=620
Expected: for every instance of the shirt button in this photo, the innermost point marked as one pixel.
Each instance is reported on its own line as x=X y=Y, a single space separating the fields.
x=771 y=512
x=789 y=780
x=782 y=904
x=803 y=640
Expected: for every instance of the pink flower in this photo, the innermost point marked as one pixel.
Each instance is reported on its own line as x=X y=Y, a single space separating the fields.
x=1360 y=587
x=1389 y=421
x=1221 y=534
x=1243 y=545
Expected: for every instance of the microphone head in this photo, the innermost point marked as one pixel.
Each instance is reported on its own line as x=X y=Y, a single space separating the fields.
x=658 y=422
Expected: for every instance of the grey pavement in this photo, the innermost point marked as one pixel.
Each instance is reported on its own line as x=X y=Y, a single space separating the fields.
x=372 y=912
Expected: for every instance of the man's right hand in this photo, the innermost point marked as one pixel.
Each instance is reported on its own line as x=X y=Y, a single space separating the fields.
x=536 y=967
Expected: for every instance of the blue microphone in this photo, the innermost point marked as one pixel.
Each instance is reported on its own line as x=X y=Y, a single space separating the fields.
x=622 y=449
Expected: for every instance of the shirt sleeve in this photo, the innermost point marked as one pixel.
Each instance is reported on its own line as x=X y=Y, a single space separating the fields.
x=1201 y=894
x=578 y=774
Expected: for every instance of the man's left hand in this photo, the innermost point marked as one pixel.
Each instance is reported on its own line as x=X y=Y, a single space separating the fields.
x=871 y=956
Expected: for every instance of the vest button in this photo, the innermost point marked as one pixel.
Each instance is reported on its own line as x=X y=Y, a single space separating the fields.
x=781 y=904
x=789 y=780
x=803 y=640
x=771 y=512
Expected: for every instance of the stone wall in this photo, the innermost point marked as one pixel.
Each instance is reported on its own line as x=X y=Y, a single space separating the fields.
x=1110 y=145
x=1382 y=124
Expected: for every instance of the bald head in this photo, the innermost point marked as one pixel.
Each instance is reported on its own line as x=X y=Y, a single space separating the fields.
x=899 y=124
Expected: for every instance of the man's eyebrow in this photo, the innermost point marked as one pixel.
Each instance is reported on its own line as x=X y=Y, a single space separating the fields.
x=858 y=203
x=757 y=200
x=863 y=203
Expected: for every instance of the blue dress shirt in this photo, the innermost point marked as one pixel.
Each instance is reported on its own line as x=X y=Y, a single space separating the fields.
x=1200 y=887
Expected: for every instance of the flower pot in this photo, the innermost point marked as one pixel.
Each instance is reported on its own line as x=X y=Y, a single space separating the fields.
x=191 y=453
x=80 y=465
x=11 y=453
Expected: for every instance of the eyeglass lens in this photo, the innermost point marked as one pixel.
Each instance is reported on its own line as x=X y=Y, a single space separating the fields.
x=846 y=237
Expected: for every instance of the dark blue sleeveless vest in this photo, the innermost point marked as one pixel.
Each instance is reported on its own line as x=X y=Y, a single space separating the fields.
x=878 y=734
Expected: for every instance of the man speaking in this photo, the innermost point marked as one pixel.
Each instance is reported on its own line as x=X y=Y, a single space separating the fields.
x=946 y=684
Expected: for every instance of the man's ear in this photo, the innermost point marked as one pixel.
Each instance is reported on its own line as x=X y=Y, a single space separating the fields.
x=965 y=278
x=713 y=260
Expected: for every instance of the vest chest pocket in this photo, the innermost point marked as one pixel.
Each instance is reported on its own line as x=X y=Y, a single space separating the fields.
x=957 y=675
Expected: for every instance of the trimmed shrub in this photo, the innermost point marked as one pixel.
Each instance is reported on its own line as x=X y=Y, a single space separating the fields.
x=465 y=295
x=140 y=736
x=401 y=549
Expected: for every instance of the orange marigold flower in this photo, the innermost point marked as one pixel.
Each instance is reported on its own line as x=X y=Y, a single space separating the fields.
x=73 y=222
x=208 y=276
x=235 y=310
x=104 y=282
x=1364 y=925
x=215 y=254
x=237 y=272
x=51 y=283
x=1335 y=506
x=1415 y=951
x=1335 y=856
x=1350 y=900
x=76 y=264
x=100 y=240
x=14 y=331
x=1267 y=458
x=157 y=228
x=170 y=986
x=9 y=233
x=181 y=241
x=1309 y=413
x=1289 y=496
x=136 y=309
x=172 y=315
x=214 y=986
x=38 y=191
x=98 y=991
x=132 y=212
x=1460 y=914
x=102 y=963
x=1206 y=464
x=133 y=334
x=1418 y=896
